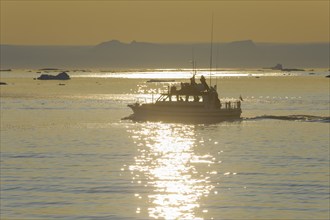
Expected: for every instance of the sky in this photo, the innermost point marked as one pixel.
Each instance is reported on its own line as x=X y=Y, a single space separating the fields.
x=90 y=22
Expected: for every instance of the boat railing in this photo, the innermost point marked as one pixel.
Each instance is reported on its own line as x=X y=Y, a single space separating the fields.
x=146 y=99
x=141 y=100
x=231 y=105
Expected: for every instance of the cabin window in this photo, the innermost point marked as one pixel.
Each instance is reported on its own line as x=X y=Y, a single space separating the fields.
x=190 y=99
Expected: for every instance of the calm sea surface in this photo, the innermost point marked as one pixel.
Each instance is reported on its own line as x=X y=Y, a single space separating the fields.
x=66 y=153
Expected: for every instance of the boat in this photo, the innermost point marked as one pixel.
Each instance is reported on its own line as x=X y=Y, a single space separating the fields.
x=192 y=102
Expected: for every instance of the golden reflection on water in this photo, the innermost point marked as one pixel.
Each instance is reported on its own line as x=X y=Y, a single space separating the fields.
x=167 y=162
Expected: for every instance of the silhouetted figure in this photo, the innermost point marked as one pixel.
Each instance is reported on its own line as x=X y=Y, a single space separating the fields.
x=192 y=81
x=203 y=81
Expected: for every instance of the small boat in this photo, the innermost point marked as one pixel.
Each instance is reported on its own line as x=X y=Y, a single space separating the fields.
x=193 y=102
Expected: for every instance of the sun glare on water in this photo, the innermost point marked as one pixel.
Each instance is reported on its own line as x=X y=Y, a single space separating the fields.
x=172 y=73
x=168 y=164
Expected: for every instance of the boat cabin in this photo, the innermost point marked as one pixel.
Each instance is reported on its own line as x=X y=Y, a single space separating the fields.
x=195 y=94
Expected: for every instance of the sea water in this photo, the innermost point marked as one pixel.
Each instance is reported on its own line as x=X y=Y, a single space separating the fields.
x=66 y=153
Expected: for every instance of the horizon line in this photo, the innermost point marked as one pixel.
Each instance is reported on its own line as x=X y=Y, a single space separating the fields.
x=165 y=43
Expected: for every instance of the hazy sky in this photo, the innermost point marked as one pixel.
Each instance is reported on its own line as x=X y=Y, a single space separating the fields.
x=89 y=22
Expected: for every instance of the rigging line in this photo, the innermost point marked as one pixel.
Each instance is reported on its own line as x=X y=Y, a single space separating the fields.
x=216 y=65
x=211 y=50
x=193 y=62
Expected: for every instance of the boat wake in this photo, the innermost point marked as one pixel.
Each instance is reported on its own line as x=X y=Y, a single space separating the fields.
x=301 y=118
x=304 y=118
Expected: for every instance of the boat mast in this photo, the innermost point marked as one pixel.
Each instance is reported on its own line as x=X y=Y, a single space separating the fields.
x=211 y=51
x=193 y=62
x=216 y=66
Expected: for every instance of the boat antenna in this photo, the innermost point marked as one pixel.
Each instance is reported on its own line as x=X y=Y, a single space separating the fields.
x=211 y=51
x=216 y=66
x=193 y=62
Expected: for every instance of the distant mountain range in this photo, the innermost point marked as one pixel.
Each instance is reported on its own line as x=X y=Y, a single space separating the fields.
x=115 y=54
